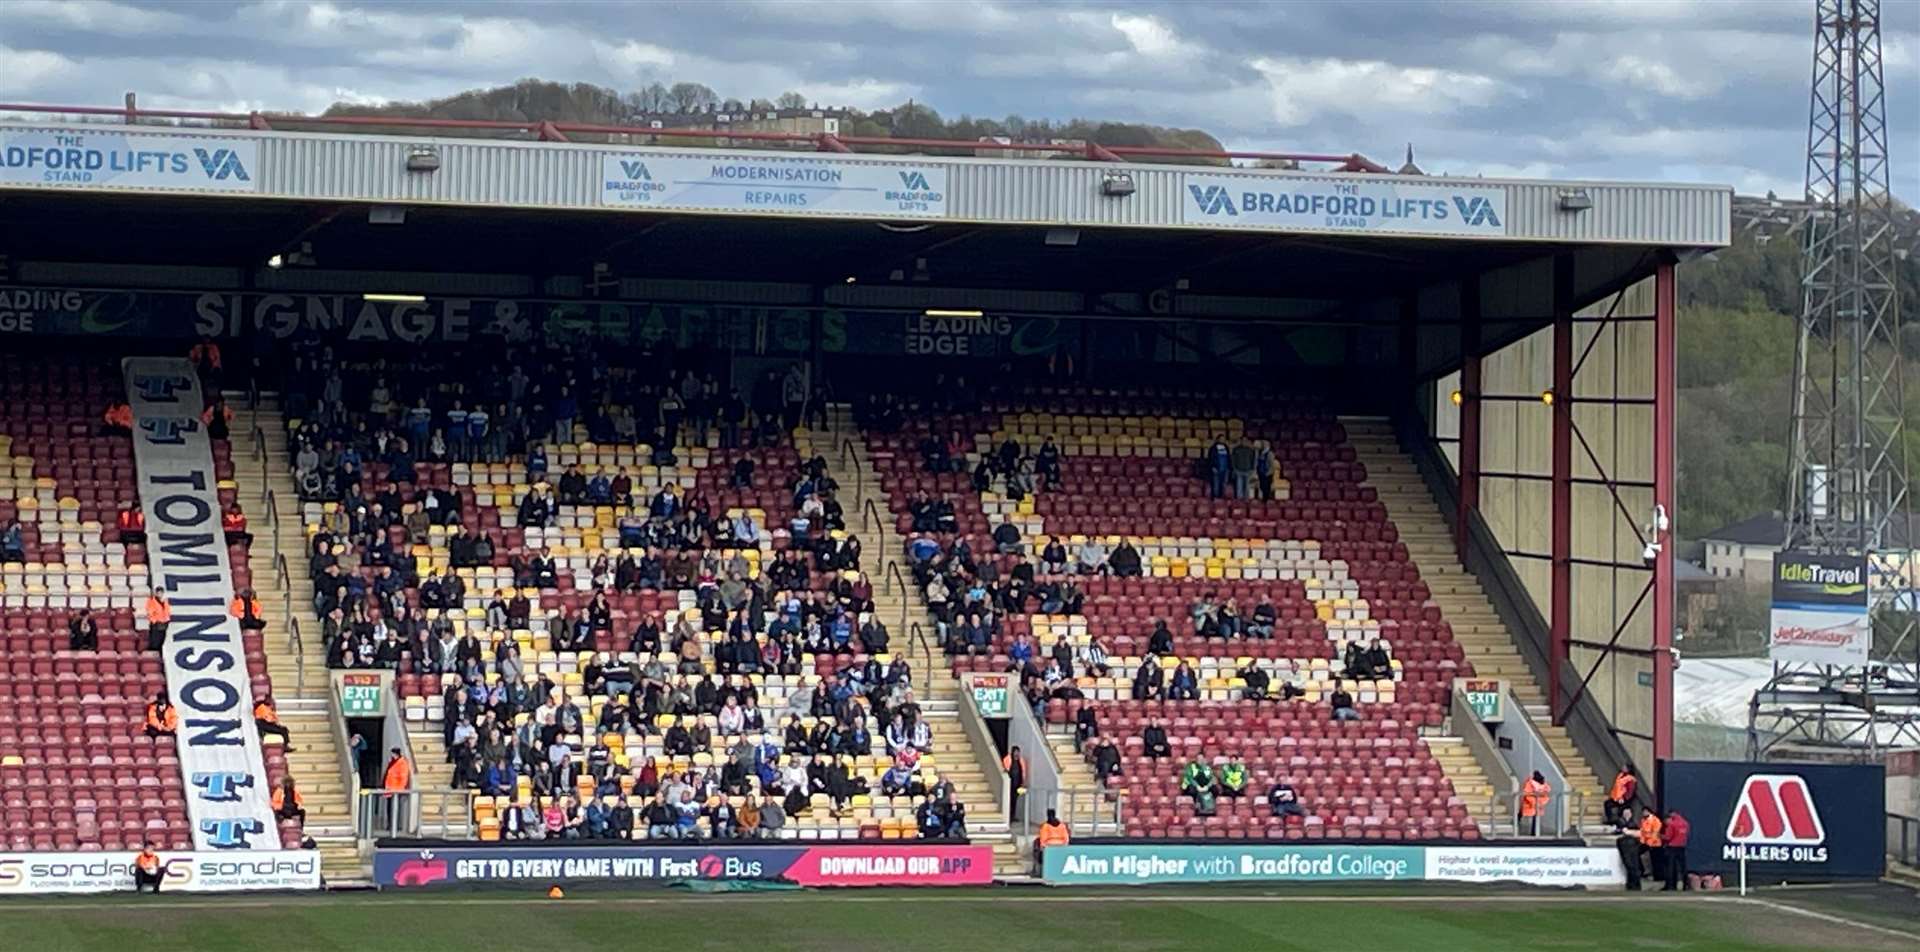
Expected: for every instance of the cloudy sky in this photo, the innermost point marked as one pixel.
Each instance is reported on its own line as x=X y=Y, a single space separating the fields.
x=1683 y=90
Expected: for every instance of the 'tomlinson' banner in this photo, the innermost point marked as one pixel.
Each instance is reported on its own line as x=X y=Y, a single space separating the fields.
x=206 y=659
x=70 y=158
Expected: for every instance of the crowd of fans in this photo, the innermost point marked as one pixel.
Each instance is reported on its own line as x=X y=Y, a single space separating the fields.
x=681 y=684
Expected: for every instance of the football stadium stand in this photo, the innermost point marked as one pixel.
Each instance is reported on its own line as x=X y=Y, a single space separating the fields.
x=535 y=639
x=76 y=757
x=1286 y=533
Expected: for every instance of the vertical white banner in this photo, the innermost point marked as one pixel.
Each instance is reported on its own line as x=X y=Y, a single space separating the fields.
x=206 y=660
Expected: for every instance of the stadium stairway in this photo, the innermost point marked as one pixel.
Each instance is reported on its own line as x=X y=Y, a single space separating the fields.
x=299 y=672
x=1489 y=646
x=895 y=598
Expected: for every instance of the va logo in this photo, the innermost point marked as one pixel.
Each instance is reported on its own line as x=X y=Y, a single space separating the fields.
x=1212 y=200
x=1476 y=211
x=221 y=164
x=635 y=169
x=160 y=388
x=168 y=430
x=915 y=182
x=231 y=833
x=222 y=787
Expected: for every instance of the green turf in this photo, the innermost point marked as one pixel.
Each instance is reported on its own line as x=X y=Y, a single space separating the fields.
x=1023 y=920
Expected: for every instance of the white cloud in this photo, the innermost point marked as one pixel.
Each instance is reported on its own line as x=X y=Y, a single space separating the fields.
x=94 y=16
x=1300 y=91
x=1150 y=36
x=33 y=72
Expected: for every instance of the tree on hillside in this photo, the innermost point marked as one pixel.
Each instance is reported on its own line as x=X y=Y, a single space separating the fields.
x=790 y=100
x=691 y=97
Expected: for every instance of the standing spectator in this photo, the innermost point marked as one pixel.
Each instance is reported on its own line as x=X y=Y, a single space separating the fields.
x=1677 y=831
x=399 y=772
x=1241 y=459
x=1263 y=468
x=1651 y=844
x=159 y=613
x=1219 y=462
x=1534 y=795
x=83 y=633
x=1620 y=796
x=1015 y=764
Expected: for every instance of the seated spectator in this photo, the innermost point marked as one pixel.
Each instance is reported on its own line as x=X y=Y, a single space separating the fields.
x=1379 y=663
x=1233 y=777
x=1342 y=703
x=1093 y=658
x=1053 y=556
x=1149 y=680
x=773 y=818
x=267 y=720
x=163 y=719
x=1184 y=686
x=1092 y=557
x=132 y=522
x=287 y=803
x=1006 y=539
x=1284 y=801
x=246 y=607
x=83 y=633
x=117 y=420
x=1196 y=779
x=1161 y=641
x=1154 y=740
x=1264 y=617
x=1256 y=681
x=1125 y=560
x=233 y=523
x=1106 y=759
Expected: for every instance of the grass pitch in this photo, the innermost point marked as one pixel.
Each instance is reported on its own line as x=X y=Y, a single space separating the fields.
x=1859 y=919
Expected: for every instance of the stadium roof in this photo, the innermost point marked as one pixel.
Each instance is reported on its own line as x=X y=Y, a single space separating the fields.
x=1104 y=188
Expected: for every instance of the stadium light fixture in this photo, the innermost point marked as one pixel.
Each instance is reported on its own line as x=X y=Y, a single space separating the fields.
x=939 y=312
x=1575 y=200
x=1456 y=397
x=1116 y=184
x=1546 y=397
x=423 y=160
x=1062 y=237
x=395 y=298
x=275 y=262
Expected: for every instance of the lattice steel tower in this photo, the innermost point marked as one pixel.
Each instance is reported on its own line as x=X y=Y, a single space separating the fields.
x=1849 y=488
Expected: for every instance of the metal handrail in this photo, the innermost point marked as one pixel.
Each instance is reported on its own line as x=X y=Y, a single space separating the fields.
x=299 y=649
x=892 y=573
x=859 y=472
x=917 y=635
x=273 y=517
x=870 y=515
x=1903 y=846
x=259 y=441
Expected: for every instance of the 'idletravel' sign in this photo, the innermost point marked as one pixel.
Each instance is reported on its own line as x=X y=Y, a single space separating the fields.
x=1790 y=822
x=774 y=184
x=1820 y=609
x=206 y=659
x=110 y=158
x=907 y=864
x=1341 y=205
x=23 y=874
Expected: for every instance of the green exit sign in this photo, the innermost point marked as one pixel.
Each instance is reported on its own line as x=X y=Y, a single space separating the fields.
x=360 y=695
